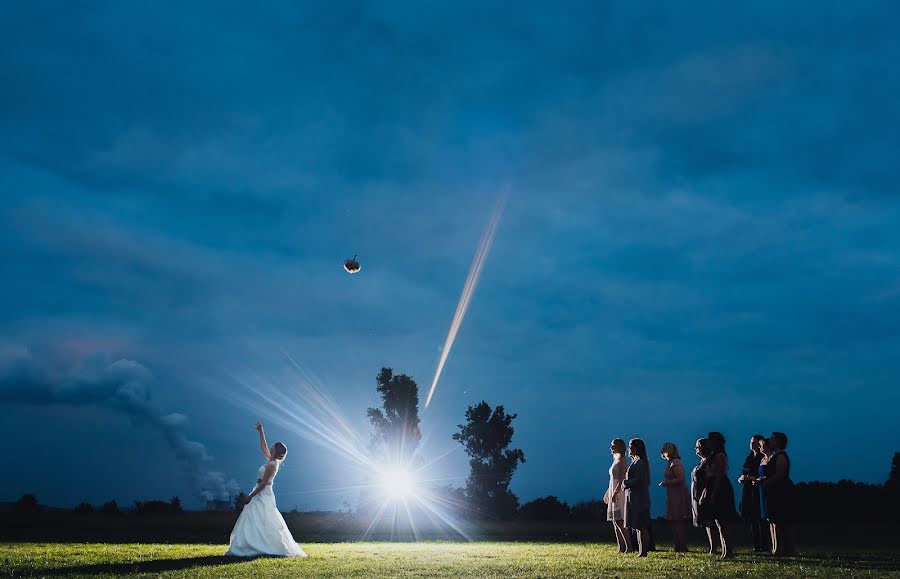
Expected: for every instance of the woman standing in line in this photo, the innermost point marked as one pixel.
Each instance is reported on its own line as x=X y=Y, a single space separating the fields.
x=719 y=493
x=750 y=502
x=779 y=491
x=766 y=453
x=678 y=501
x=699 y=480
x=637 y=494
x=615 y=495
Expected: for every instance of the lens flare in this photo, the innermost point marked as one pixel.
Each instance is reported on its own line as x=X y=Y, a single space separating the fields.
x=394 y=495
x=398 y=482
x=468 y=289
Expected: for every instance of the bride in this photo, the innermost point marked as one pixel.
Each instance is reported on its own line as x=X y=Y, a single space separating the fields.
x=260 y=529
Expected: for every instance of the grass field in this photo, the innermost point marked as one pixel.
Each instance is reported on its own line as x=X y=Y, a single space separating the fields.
x=432 y=559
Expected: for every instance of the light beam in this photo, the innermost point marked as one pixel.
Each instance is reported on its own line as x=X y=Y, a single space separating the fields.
x=398 y=482
x=468 y=289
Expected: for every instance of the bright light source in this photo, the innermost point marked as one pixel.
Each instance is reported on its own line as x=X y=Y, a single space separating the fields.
x=398 y=482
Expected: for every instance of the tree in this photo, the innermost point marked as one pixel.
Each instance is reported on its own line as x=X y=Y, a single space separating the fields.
x=485 y=437
x=154 y=507
x=84 y=509
x=175 y=505
x=892 y=489
x=893 y=481
x=395 y=425
x=110 y=508
x=545 y=509
x=592 y=510
x=27 y=503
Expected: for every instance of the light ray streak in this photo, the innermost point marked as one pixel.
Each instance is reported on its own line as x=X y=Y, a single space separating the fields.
x=375 y=520
x=411 y=519
x=441 y=479
x=305 y=425
x=316 y=388
x=465 y=298
x=312 y=420
x=449 y=451
x=443 y=520
x=444 y=517
x=333 y=489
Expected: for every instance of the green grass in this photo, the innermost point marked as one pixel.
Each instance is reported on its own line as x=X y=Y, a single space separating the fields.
x=430 y=559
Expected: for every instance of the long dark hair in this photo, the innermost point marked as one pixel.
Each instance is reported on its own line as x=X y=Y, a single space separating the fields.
x=780 y=439
x=637 y=447
x=716 y=442
x=703 y=443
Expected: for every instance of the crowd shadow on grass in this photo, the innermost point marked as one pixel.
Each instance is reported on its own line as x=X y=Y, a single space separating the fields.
x=152 y=566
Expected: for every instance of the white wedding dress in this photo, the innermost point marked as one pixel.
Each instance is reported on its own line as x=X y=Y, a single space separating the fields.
x=261 y=530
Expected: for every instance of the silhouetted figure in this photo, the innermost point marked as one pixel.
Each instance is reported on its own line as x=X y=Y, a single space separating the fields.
x=719 y=493
x=615 y=496
x=678 y=500
x=779 y=490
x=750 y=502
x=637 y=494
x=699 y=504
x=766 y=452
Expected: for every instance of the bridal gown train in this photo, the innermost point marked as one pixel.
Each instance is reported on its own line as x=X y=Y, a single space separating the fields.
x=260 y=529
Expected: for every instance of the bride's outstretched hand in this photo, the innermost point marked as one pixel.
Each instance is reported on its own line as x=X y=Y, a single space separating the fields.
x=259 y=427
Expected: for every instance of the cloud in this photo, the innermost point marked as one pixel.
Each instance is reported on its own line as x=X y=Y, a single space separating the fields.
x=122 y=385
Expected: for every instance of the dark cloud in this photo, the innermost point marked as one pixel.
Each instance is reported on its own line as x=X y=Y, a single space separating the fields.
x=122 y=385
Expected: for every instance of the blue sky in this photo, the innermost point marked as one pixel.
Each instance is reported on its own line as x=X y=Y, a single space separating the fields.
x=702 y=232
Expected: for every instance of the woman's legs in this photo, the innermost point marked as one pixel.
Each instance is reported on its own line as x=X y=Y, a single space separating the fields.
x=678 y=533
x=651 y=544
x=643 y=542
x=783 y=544
x=756 y=535
x=623 y=537
x=712 y=541
x=618 y=537
x=723 y=537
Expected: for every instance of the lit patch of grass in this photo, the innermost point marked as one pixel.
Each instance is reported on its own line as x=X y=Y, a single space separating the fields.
x=426 y=559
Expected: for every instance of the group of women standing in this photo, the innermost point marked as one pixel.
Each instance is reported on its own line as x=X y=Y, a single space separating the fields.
x=709 y=501
x=766 y=494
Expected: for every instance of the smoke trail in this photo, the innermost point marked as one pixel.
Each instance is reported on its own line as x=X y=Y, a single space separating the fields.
x=468 y=289
x=123 y=385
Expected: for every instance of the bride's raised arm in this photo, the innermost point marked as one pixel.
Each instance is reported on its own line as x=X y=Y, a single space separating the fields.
x=262 y=440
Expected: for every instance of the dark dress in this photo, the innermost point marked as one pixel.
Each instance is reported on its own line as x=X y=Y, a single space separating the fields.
x=698 y=485
x=637 y=494
x=720 y=493
x=762 y=469
x=750 y=492
x=778 y=493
